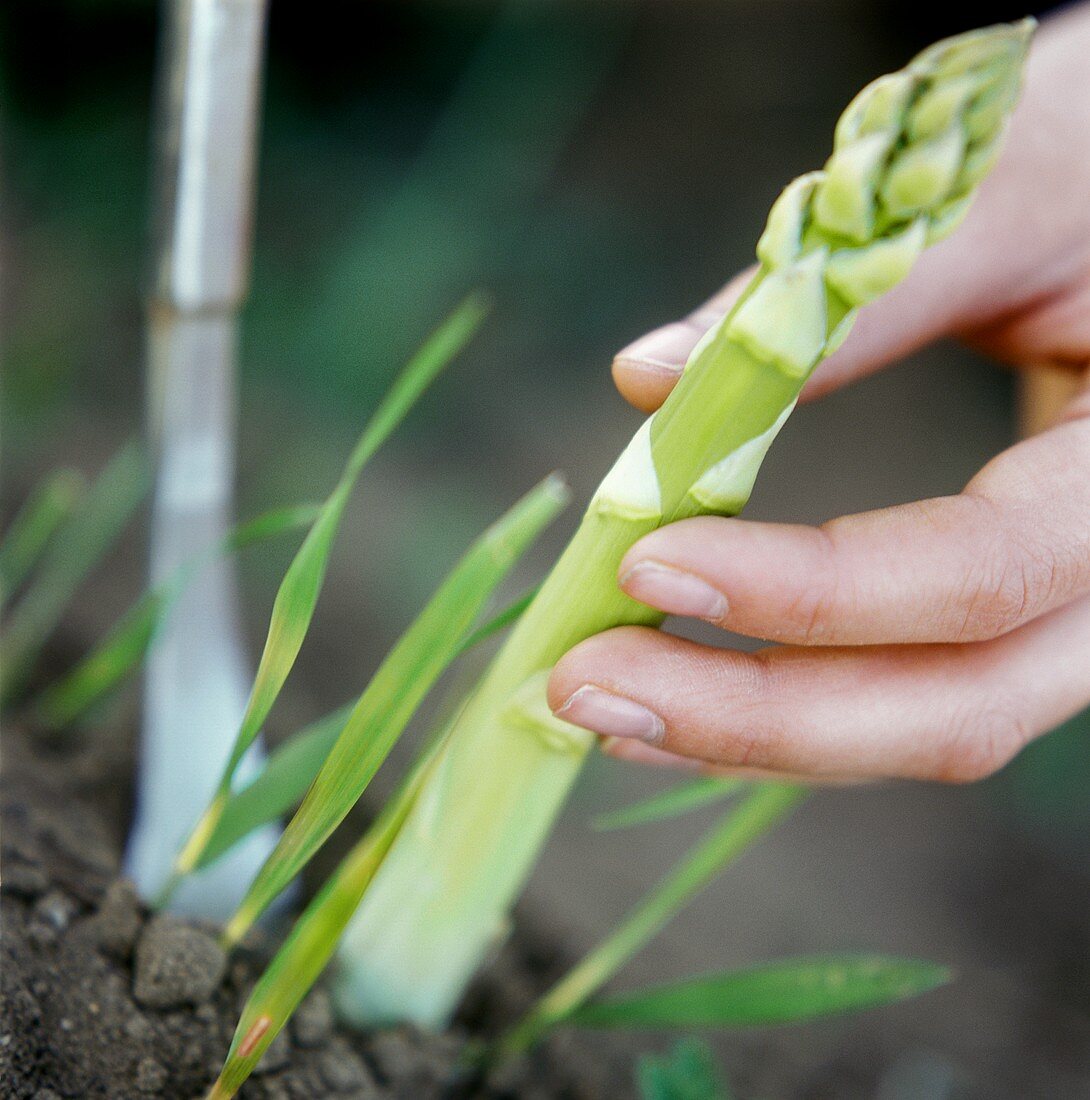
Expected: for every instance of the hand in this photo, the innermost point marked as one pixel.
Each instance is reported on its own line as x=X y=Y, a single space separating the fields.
x=931 y=640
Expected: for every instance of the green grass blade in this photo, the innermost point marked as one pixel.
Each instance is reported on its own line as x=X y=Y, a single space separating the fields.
x=688 y=1072
x=48 y=506
x=102 y=670
x=297 y=597
x=126 y=645
x=781 y=992
x=500 y=621
x=291 y=768
x=314 y=938
x=674 y=802
x=403 y=679
x=72 y=553
x=279 y=786
x=766 y=804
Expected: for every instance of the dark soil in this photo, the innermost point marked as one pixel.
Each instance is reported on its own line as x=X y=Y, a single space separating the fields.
x=103 y=999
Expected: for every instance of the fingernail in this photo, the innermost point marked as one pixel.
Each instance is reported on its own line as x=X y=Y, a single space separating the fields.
x=638 y=753
x=673 y=590
x=611 y=715
x=663 y=351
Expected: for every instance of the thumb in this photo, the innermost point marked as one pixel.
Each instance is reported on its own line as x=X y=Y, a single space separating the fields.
x=911 y=315
x=1025 y=242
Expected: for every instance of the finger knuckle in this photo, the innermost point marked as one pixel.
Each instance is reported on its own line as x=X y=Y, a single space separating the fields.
x=760 y=748
x=978 y=742
x=1016 y=583
x=1031 y=564
x=742 y=684
x=810 y=613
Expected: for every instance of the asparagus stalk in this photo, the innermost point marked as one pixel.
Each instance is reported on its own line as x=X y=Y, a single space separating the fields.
x=908 y=154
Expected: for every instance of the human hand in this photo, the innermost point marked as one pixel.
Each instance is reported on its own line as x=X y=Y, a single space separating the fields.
x=930 y=640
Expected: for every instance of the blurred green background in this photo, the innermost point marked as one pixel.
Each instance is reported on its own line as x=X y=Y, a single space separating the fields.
x=601 y=167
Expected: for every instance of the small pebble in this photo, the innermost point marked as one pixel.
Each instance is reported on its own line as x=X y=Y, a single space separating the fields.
x=55 y=910
x=150 y=1076
x=394 y=1053
x=277 y=1090
x=50 y=917
x=139 y=1029
x=312 y=1022
x=344 y=1071
x=26 y=880
x=176 y=964
x=117 y=923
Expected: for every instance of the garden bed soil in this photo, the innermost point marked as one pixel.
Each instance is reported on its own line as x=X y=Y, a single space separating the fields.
x=103 y=999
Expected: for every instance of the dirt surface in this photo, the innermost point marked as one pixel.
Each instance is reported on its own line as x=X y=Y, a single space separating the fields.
x=103 y=999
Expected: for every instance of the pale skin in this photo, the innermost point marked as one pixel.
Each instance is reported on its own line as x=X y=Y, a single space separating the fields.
x=932 y=640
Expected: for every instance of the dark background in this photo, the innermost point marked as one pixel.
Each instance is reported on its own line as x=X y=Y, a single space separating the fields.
x=601 y=167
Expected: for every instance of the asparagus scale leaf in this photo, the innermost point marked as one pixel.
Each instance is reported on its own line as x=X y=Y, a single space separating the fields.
x=908 y=154
x=297 y=597
x=784 y=992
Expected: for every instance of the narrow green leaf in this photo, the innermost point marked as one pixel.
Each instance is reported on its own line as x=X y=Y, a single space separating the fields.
x=766 y=804
x=502 y=619
x=397 y=688
x=291 y=768
x=314 y=937
x=297 y=597
x=674 y=802
x=72 y=553
x=781 y=992
x=688 y=1072
x=102 y=670
x=48 y=506
x=279 y=786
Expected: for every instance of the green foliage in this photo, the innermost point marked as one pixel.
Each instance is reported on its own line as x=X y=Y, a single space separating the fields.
x=106 y=666
x=278 y=787
x=500 y=621
x=679 y=799
x=126 y=645
x=313 y=939
x=48 y=506
x=297 y=597
x=298 y=594
x=687 y=1072
x=363 y=739
x=834 y=240
x=403 y=679
x=75 y=549
x=763 y=807
x=291 y=768
x=782 y=992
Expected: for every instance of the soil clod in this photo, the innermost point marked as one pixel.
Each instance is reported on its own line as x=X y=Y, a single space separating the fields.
x=343 y=1071
x=312 y=1023
x=119 y=918
x=176 y=964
